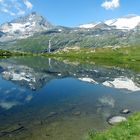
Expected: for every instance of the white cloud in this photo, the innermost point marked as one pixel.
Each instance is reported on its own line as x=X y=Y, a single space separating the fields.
x=29 y=98
x=28 y=4
x=15 y=7
x=107 y=100
x=21 y=12
x=7 y=11
x=8 y=105
x=111 y=4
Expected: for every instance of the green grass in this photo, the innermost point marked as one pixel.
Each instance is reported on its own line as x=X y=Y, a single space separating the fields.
x=128 y=130
x=125 y=57
x=5 y=53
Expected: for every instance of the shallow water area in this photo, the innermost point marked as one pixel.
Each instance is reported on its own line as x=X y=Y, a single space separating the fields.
x=43 y=98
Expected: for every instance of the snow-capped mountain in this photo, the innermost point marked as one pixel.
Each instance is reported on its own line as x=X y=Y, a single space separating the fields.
x=25 y=26
x=115 y=32
x=128 y=22
x=122 y=83
x=124 y=23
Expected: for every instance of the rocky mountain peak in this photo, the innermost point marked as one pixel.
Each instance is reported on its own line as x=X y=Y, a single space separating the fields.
x=25 y=26
x=102 y=26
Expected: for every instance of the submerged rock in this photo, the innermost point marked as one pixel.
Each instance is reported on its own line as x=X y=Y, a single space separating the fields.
x=116 y=119
x=77 y=113
x=9 y=133
x=52 y=114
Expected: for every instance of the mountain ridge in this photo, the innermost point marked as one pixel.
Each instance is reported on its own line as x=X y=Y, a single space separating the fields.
x=35 y=33
x=127 y=22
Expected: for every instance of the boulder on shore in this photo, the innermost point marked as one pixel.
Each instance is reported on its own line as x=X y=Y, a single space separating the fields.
x=116 y=119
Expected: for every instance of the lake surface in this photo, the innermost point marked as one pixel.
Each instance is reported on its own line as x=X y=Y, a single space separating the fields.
x=46 y=99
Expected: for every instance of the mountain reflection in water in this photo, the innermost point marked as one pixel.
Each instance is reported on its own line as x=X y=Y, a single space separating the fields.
x=33 y=89
x=39 y=71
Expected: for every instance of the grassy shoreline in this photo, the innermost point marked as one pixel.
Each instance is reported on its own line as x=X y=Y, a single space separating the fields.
x=7 y=54
x=127 y=130
x=125 y=57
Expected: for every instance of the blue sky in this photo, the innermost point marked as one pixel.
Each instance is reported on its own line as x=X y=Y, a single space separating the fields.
x=69 y=12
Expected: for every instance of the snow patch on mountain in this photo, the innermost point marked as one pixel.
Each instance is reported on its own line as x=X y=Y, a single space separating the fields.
x=128 y=22
x=124 y=23
x=13 y=27
x=122 y=83
x=90 y=25
x=86 y=79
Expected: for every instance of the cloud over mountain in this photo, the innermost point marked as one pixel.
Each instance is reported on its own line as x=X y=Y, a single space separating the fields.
x=111 y=4
x=15 y=7
x=28 y=4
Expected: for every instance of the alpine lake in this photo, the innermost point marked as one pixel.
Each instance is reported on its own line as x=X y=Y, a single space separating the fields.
x=48 y=99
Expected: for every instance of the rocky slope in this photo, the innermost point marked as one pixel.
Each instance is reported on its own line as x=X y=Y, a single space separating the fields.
x=32 y=33
x=24 y=27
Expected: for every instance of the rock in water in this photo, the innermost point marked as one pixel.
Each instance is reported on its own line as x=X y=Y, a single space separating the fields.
x=52 y=114
x=125 y=111
x=116 y=119
x=77 y=113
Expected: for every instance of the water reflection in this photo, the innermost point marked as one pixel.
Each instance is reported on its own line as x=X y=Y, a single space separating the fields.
x=105 y=105
x=51 y=95
x=14 y=96
x=35 y=72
